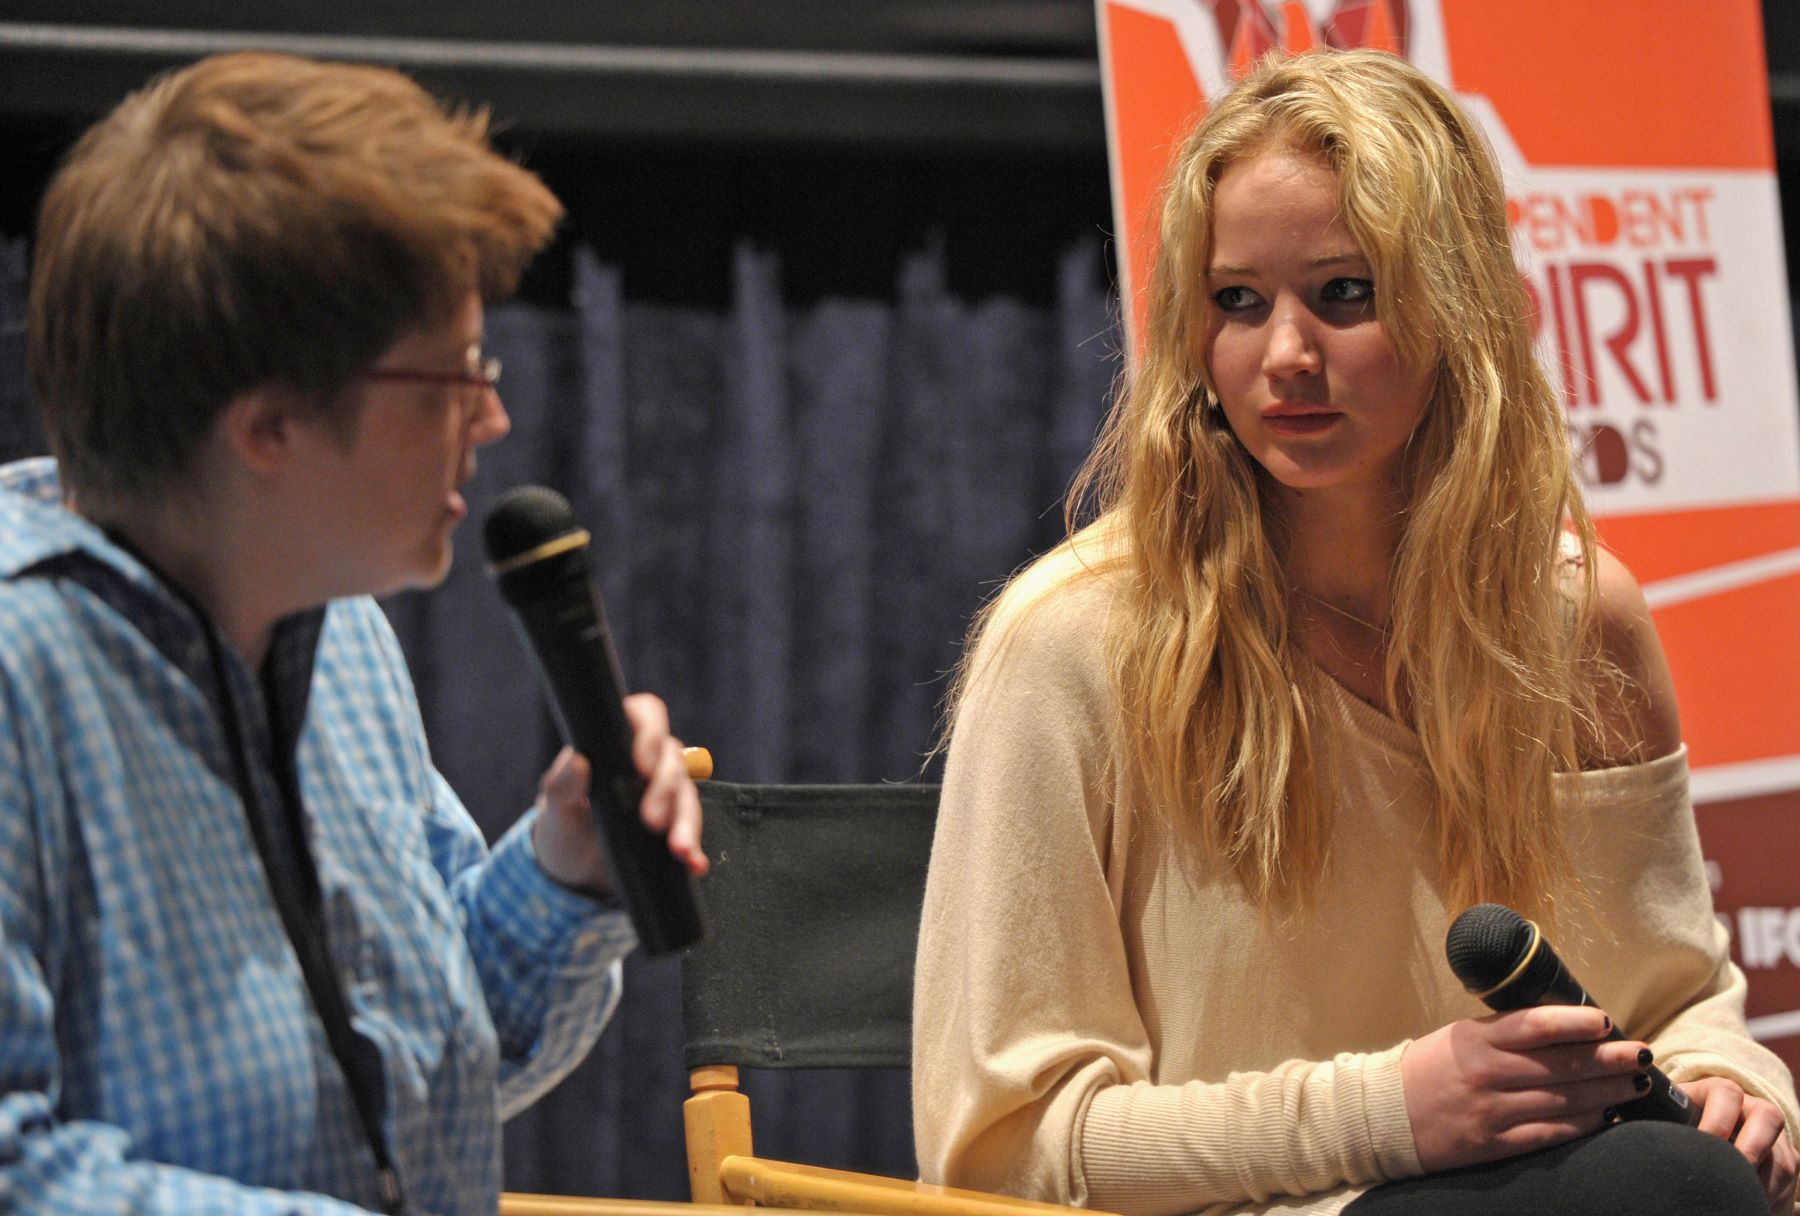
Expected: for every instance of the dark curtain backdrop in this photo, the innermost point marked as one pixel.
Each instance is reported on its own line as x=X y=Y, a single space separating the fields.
x=795 y=511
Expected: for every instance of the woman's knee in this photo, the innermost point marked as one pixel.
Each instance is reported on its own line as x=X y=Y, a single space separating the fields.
x=1664 y=1168
x=1634 y=1169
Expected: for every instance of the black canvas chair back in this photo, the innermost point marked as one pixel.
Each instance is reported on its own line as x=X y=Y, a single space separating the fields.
x=812 y=907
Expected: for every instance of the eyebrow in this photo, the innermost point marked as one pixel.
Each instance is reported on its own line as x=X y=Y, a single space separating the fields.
x=1223 y=269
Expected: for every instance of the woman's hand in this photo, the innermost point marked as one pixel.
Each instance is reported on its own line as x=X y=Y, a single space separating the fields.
x=1487 y=1088
x=1756 y=1128
x=565 y=838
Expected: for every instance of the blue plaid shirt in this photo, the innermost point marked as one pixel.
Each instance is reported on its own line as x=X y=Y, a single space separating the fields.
x=159 y=1050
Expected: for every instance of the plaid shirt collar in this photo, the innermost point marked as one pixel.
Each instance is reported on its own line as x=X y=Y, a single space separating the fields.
x=41 y=535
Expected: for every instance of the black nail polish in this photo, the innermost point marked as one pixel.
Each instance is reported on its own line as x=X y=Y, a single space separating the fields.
x=1609 y=1116
x=1641 y=1083
x=1645 y=1055
x=1606 y=1023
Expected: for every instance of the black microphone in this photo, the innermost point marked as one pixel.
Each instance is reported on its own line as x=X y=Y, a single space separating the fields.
x=1504 y=960
x=537 y=554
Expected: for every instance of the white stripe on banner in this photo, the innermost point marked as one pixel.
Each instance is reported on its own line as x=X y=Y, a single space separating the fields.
x=1751 y=778
x=1719 y=782
x=1701 y=583
x=1774 y=1026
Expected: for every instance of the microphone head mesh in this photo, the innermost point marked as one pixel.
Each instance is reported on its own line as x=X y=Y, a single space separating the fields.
x=523 y=519
x=1485 y=944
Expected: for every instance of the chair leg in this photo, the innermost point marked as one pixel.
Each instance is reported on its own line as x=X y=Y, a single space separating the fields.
x=718 y=1126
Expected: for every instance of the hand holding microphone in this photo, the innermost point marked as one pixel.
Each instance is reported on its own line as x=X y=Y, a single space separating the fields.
x=1504 y=961
x=1544 y=1015
x=1484 y=1089
x=537 y=554
x=1528 y=1077
x=568 y=847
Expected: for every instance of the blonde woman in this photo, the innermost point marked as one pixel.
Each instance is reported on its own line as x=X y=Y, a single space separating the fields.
x=1337 y=658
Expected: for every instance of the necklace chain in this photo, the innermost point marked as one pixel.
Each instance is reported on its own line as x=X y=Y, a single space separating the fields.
x=1322 y=602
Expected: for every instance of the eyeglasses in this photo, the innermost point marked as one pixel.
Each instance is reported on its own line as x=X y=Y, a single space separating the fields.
x=484 y=373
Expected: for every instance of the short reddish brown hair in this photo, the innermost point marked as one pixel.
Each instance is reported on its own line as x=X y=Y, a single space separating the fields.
x=254 y=220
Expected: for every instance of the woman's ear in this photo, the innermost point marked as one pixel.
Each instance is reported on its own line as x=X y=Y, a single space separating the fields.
x=258 y=430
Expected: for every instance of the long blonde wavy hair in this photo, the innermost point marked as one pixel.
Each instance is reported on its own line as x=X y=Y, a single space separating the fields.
x=1488 y=618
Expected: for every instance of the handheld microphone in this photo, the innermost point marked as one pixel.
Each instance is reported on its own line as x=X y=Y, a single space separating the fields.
x=537 y=555
x=1504 y=961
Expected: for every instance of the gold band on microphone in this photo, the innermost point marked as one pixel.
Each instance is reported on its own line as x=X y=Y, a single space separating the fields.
x=1537 y=939
x=550 y=548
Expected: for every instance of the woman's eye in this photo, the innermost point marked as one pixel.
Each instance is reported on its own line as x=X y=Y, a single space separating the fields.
x=1234 y=299
x=1350 y=291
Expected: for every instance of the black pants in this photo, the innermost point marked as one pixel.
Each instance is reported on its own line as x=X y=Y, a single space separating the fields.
x=1634 y=1169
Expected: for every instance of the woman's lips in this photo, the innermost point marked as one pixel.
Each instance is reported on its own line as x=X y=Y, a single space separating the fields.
x=1300 y=420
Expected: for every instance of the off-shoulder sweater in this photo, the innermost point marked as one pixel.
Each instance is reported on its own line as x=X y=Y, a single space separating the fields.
x=1100 y=1018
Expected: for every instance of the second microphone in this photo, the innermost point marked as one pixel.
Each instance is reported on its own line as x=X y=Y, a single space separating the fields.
x=1504 y=960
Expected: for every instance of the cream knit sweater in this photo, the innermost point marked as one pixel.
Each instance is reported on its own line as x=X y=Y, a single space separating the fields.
x=1101 y=1020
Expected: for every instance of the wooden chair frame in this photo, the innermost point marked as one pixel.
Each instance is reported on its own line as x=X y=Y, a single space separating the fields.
x=723 y=1169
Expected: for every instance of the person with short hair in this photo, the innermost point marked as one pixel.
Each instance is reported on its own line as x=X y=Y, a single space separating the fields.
x=1338 y=657
x=255 y=956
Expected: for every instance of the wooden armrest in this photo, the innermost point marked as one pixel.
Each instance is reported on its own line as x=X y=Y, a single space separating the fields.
x=698 y=761
x=518 y=1203
x=784 y=1184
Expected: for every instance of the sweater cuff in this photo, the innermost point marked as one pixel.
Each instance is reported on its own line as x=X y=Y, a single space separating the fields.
x=1390 y=1127
x=545 y=915
x=1303 y=1128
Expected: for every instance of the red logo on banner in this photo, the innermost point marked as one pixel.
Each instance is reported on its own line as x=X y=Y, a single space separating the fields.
x=1248 y=29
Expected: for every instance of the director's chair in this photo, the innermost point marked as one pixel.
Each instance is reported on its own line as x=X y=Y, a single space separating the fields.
x=812 y=909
